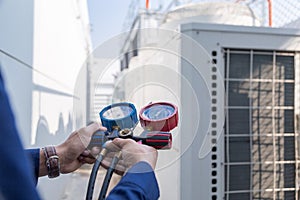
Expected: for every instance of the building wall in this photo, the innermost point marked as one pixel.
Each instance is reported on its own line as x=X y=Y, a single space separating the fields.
x=52 y=37
x=154 y=76
x=201 y=150
x=61 y=48
x=16 y=21
x=170 y=66
x=228 y=174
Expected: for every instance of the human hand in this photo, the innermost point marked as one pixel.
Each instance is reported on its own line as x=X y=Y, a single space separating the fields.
x=73 y=152
x=132 y=153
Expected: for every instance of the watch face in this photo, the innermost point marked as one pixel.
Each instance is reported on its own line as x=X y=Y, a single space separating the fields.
x=117 y=112
x=158 y=112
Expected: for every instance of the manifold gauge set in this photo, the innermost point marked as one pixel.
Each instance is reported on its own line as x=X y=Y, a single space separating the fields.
x=157 y=120
x=120 y=119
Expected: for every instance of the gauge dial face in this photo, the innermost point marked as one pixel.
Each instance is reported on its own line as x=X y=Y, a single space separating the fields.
x=117 y=112
x=158 y=112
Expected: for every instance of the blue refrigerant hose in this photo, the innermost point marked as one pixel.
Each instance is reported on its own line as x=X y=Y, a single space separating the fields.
x=108 y=175
x=93 y=176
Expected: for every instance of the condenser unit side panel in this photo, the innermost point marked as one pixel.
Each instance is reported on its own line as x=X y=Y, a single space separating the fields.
x=201 y=103
x=226 y=47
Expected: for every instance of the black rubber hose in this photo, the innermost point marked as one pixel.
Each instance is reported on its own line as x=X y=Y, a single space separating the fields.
x=93 y=176
x=108 y=176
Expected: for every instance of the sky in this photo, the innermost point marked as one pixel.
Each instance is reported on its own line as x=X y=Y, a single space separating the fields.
x=106 y=18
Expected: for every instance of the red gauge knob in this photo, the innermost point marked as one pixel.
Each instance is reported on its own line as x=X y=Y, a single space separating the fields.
x=160 y=116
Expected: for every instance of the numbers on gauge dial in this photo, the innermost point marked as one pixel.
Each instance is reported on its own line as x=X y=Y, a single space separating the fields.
x=117 y=112
x=158 y=112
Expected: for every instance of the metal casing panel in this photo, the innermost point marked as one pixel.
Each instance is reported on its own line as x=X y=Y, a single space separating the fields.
x=214 y=39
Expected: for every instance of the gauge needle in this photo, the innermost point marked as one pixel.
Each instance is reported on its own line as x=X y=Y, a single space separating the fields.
x=158 y=113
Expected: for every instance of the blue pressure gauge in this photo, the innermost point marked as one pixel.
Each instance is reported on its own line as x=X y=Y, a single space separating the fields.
x=119 y=116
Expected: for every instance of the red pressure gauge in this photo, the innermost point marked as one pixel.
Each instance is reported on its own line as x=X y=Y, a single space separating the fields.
x=160 y=116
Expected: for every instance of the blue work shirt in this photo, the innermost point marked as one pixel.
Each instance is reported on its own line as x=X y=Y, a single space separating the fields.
x=138 y=183
x=19 y=170
x=16 y=174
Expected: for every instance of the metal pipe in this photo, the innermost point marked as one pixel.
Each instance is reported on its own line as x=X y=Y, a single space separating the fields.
x=147 y=4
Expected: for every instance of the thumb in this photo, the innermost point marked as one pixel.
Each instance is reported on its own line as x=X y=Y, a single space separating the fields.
x=92 y=128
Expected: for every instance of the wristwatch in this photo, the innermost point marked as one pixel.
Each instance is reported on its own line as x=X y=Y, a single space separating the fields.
x=52 y=161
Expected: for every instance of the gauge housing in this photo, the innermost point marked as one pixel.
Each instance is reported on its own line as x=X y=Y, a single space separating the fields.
x=119 y=116
x=160 y=116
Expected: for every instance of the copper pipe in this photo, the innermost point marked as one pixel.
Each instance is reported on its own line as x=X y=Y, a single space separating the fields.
x=147 y=4
x=270 y=12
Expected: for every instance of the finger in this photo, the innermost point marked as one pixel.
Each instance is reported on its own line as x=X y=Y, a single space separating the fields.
x=105 y=163
x=80 y=158
x=88 y=160
x=86 y=152
x=85 y=134
x=109 y=155
x=122 y=165
x=119 y=168
x=95 y=151
x=122 y=142
x=111 y=146
x=108 y=158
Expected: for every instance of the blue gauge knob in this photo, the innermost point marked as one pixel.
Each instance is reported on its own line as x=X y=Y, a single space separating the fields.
x=119 y=116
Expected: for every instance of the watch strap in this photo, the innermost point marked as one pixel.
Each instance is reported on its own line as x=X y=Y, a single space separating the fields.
x=52 y=161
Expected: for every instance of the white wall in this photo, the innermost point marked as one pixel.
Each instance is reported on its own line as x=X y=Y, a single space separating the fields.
x=53 y=37
x=154 y=76
x=61 y=47
x=16 y=38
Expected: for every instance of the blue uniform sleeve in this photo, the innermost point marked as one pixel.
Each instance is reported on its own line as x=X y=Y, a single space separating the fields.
x=16 y=177
x=34 y=157
x=139 y=183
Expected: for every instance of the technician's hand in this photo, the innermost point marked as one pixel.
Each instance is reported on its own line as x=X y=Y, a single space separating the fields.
x=73 y=152
x=132 y=153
